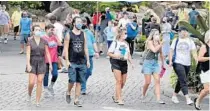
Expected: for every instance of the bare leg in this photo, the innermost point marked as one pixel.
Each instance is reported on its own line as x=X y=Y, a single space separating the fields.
x=77 y=91
x=147 y=78
x=157 y=85
x=31 y=83
x=202 y=94
x=118 y=87
x=39 y=87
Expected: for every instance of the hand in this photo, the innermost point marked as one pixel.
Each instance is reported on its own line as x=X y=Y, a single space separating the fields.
x=50 y=67
x=117 y=56
x=68 y=64
x=29 y=68
x=88 y=64
x=96 y=55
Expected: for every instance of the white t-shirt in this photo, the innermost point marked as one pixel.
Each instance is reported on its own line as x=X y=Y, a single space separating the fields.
x=59 y=30
x=121 y=48
x=123 y=22
x=183 y=50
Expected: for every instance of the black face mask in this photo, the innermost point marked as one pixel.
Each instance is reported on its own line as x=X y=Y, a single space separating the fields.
x=84 y=27
x=164 y=22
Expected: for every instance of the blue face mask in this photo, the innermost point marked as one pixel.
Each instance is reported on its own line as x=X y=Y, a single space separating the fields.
x=37 y=33
x=78 y=26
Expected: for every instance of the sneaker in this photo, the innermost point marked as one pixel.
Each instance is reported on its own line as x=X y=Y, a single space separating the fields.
x=175 y=99
x=120 y=102
x=21 y=52
x=189 y=101
x=78 y=104
x=101 y=53
x=161 y=102
x=46 y=94
x=143 y=99
x=37 y=104
x=107 y=57
x=51 y=90
x=83 y=92
x=29 y=98
x=68 y=99
x=5 y=41
x=197 y=106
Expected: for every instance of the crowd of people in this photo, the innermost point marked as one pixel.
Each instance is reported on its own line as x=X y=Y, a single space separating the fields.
x=69 y=46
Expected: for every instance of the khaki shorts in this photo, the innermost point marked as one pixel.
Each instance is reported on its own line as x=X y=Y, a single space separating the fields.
x=1 y=30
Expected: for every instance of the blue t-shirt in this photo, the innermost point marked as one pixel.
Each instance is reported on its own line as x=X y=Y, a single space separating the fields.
x=108 y=16
x=109 y=32
x=192 y=16
x=90 y=41
x=130 y=32
x=25 y=24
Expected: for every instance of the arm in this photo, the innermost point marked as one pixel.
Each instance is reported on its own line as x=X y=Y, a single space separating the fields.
x=66 y=47
x=201 y=57
x=132 y=26
x=152 y=48
x=162 y=57
x=86 y=49
x=194 y=51
x=28 y=54
x=48 y=54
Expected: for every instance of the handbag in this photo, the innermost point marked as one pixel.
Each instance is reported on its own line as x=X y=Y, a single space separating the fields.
x=171 y=35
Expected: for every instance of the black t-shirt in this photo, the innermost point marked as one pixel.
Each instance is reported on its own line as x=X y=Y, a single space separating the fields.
x=76 y=48
x=205 y=65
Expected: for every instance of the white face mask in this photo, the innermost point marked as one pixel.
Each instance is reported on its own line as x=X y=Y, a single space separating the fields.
x=156 y=37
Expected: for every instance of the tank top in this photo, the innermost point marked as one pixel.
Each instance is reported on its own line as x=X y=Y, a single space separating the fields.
x=205 y=65
x=76 y=48
x=151 y=55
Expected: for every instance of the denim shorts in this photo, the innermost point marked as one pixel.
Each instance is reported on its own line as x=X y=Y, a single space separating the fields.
x=24 y=38
x=77 y=73
x=150 y=67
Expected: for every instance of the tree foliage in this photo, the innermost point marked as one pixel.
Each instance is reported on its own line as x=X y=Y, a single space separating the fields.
x=26 y=4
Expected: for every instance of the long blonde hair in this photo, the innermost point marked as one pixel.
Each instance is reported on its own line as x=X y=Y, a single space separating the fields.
x=151 y=35
x=120 y=32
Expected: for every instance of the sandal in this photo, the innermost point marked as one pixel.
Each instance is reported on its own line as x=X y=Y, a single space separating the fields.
x=113 y=98
x=120 y=102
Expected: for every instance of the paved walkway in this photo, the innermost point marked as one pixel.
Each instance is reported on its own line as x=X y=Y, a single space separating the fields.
x=13 y=85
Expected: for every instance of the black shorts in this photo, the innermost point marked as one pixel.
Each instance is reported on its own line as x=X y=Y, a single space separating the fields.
x=119 y=65
x=16 y=29
x=60 y=50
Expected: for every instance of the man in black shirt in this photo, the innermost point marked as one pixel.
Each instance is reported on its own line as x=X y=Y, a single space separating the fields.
x=77 y=58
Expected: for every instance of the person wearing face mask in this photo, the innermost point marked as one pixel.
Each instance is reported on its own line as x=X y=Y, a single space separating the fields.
x=124 y=21
x=37 y=52
x=92 y=51
x=77 y=59
x=119 y=54
x=132 y=31
x=151 y=66
x=180 y=58
x=16 y=16
x=25 y=30
x=110 y=34
x=53 y=42
x=193 y=17
x=166 y=29
x=4 y=24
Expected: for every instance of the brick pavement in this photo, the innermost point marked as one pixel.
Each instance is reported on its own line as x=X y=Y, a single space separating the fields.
x=13 y=85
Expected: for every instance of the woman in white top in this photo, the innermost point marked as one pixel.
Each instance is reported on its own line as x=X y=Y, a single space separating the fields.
x=119 y=55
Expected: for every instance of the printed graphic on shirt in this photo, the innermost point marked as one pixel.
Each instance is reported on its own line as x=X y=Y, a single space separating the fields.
x=122 y=49
x=77 y=45
x=183 y=48
x=52 y=44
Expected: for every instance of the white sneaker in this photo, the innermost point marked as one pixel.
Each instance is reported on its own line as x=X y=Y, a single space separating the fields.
x=189 y=101
x=175 y=99
x=107 y=57
x=29 y=98
x=5 y=41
